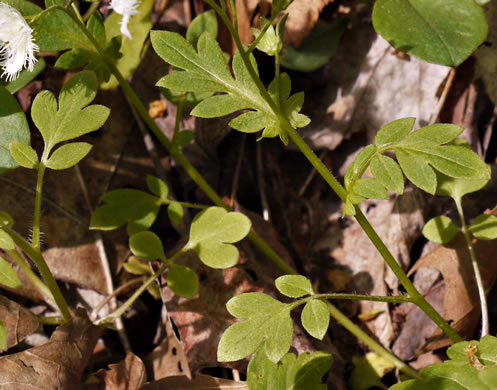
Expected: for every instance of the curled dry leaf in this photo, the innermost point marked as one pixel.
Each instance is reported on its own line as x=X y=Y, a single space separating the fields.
x=19 y=322
x=58 y=364
x=128 y=374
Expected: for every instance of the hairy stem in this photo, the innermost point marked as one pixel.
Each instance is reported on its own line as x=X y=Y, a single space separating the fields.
x=39 y=261
x=35 y=240
x=476 y=270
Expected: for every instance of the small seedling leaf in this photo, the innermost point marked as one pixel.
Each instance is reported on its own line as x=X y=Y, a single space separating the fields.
x=136 y=267
x=468 y=361
x=388 y=173
x=292 y=373
x=175 y=213
x=484 y=227
x=24 y=155
x=157 y=187
x=6 y=220
x=154 y=290
x=147 y=246
x=316 y=318
x=137 y=208
x=394 y=131
x=68 y=155
x=267 y=321
x=6 y=242
x=440 y=229
x=442 y=32
x=213 y=231
x=182 y=280
x=14 y=128
x=294 y=286
x=8 y=276
x=3 y=337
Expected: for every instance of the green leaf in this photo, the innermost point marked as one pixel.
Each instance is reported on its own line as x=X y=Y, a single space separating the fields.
x=292 y=373
x=6 y=242
x=147 y=246
x=24 y=78
x=459 y=373
x=73 y=118
x=207 y=71
x=317 y=49
x=175 y=213
x=24 y=155
x=280 y=5
x=182 y=280
x=8 y=276
x=88 y=55
x=444 y=32
x=136 y=267
x=370 y=188
x=270 y=43
x=368 y=371
x=131 y=49
x=68 y=155
x=268 y=321
x=6 y=220
x=134 y=207
x=359 y=165
x=154 y=290
x=316 y=318
x=294 y=286
x=457 y=188
x=388 y=173
x=157 y=187
x=484 y=227
x=417 y=170
x=394 y=131
x=3 y=337
x=440 y=229
x=13 y=127
x=206 y=21
x=213 y=231
x=440 y=133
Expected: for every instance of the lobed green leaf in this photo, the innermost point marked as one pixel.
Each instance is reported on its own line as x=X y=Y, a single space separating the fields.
x=388 y=173
x=394 y=131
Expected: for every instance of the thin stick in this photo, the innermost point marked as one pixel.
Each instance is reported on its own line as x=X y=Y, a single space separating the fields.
x=236 y=176
x=262 y=184
x=443 y=96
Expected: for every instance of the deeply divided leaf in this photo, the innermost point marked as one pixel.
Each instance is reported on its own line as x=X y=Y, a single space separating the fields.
x=212 y=234
x=267 y=320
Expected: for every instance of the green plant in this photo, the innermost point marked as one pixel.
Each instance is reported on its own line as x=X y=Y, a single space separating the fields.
x=432 y=158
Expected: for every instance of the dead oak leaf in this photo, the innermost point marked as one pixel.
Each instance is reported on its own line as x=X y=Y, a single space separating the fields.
x=58 y=364
x=128 y=374
x=19 y=322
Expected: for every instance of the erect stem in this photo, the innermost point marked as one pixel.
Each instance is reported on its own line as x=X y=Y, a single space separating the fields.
x=39 y=261
x=35 y=240
x=476 y=270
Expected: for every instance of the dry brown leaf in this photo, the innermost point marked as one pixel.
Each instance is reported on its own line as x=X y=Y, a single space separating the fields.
x=200 y=382
x=19 y=322
x=168 y=358
x=58 y=364
x=302 y=16
x=456 y=297
x=129 y=374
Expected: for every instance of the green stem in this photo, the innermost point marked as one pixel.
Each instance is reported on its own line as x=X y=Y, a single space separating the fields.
x=39 y=261
x=184 y=204
x=35 y=241
x=370 y=342
x=358 y=297
x=476 y=270
x=26 y=269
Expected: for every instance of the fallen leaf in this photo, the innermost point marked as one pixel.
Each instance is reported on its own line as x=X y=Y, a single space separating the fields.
x=200 y=382
x=58 y=364
x=129 y=374
x=19 y=322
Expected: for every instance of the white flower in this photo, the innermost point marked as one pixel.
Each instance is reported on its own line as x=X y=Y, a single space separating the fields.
x=126 y=8
x=16 y=42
